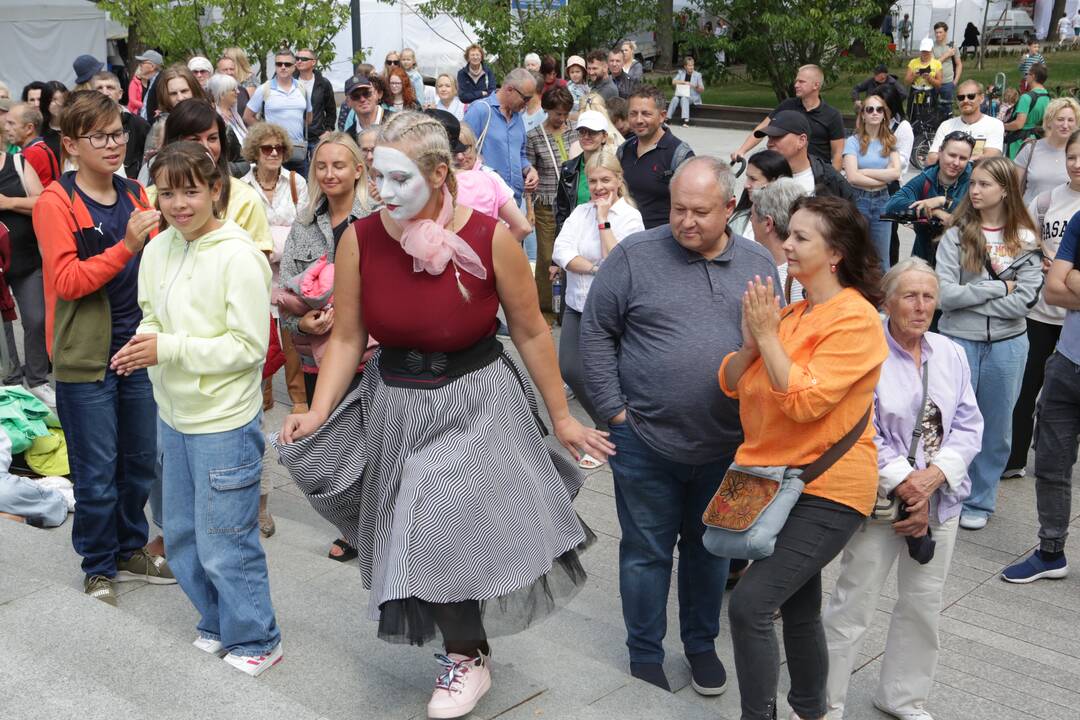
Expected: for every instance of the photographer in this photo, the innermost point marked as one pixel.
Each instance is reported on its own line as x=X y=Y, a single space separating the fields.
x=930 y=197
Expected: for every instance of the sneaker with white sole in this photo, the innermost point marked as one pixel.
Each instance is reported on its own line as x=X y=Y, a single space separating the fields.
x=1035 y=568
x=255 y=665
x=902 y=714
x=458 y=689
x=100 y=588
x=146 y=567
x=973 y=521
x=1013 y=473
x=45 y=394
x=209 y=645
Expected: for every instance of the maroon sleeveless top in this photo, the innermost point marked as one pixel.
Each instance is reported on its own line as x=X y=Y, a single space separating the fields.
x=417 y=310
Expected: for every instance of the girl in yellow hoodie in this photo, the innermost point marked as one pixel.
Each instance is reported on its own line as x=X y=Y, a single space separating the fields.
x=204 y=288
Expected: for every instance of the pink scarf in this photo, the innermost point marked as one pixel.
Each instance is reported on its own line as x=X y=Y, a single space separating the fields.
x=433 y=247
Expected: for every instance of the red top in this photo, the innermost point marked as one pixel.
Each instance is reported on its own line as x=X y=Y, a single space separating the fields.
x=417 y=310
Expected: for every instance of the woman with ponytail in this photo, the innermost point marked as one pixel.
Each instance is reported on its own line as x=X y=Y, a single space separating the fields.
x=435 y=467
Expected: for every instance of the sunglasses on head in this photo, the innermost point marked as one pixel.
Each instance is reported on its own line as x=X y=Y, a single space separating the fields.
x=967 y=96
x=874 y=109
x=959 y=135
x=269 y=150
x=281 y=63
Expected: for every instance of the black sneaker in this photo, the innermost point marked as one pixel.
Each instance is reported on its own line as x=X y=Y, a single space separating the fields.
x=652 y=673
x=707 y=674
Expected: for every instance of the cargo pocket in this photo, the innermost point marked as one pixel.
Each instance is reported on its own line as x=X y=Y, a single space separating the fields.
x=233 y=505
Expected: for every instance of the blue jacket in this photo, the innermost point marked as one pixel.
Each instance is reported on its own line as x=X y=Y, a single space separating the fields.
x=926 y=185
x=469 y=91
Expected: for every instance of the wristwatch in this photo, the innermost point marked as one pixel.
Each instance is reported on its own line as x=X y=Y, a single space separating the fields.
x=594 y=269
x=604 y=226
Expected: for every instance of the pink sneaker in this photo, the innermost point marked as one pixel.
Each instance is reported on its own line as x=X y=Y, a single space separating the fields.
x=461 y=685
x=255 y=665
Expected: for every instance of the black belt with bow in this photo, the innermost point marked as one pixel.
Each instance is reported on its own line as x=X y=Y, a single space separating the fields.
x=411 y=368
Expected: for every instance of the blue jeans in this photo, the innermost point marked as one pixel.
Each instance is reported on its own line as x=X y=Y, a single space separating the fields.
x=530 y=240
x=211 y=505
x=109 y=428
x=997 y=372
x=659 y=502
x=946 y=94
x=871 y=204
x=681 y=102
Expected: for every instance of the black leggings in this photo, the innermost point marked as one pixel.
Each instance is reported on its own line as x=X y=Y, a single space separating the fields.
x=462 y=627
x=1042 y=338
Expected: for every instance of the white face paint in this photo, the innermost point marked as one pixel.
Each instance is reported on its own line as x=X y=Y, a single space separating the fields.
x=403 y=188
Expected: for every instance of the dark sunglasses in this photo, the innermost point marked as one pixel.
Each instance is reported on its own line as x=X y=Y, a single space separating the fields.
x=524 y=97
x=284 y=64
x=360 y=93
x=874 y=110
x=269 y=150
x=304 y=58
x=967 y=96
x=959 y=135
x=393 y=62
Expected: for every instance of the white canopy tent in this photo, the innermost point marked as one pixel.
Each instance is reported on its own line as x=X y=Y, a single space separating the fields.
x=439 y=43
x=39 y=40
x=956 y=13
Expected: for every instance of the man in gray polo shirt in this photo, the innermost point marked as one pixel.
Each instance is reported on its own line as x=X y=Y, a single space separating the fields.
x=663 y=310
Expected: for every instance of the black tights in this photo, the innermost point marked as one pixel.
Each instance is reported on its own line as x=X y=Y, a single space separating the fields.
x=462 y=627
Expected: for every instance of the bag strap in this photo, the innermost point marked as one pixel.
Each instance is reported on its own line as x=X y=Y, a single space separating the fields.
x=20 y=169
x=483 y=135
x=292 y=186
x=917 y=432
x=828 y=458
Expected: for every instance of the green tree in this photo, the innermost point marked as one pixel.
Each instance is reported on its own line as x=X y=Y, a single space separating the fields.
x=773 y=38
x=181 y=28
x=541 y=26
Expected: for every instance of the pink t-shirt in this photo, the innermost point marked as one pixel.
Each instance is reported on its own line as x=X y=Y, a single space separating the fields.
x=482 y=191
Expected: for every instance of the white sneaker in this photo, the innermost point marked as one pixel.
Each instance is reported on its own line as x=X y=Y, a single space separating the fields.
x=61 y=485
x=903 y=714
x=209 y=645
x=461 y=685
x=973 y=522
x=255 y=665
x=1014 y=473
x=45 y=394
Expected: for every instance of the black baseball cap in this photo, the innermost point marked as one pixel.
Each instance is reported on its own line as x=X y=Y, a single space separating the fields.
x=883 y=68
x=452 y=127
x=356 y=81
x=785 y=122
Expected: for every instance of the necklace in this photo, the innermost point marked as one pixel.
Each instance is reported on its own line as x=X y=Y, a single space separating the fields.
x=273 y=183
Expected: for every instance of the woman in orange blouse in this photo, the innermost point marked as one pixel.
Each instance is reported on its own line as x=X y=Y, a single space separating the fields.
x=804 y=377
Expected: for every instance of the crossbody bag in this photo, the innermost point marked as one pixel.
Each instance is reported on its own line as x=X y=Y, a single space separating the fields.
x=752 y=504
x=887 y=507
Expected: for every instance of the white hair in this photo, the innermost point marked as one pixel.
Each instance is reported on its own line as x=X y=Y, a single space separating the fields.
x=219 y=85
x=517 y=76
x=531 y=58
x=891 y=281
x=775 y=201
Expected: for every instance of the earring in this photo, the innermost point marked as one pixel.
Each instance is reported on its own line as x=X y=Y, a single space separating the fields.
x=832 y=268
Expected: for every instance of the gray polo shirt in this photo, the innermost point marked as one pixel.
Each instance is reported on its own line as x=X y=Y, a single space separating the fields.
x=658 y=321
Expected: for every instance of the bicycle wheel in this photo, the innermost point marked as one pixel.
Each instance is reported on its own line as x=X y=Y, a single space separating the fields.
x=920 y=149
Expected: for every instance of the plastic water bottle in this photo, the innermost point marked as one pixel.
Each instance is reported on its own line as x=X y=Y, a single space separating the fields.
x=556 y=294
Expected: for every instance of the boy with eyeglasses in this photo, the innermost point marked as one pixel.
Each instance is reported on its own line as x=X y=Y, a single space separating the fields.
x=988 y=131
x=91 y=226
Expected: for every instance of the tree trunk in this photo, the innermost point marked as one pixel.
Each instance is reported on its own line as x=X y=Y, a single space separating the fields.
x=665 y=39
x=135 y=46
x=1055 y=15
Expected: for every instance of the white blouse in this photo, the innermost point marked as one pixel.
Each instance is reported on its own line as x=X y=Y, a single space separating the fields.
x=580 y=235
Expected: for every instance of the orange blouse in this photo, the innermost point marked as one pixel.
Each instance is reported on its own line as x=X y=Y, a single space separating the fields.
x=836 y=355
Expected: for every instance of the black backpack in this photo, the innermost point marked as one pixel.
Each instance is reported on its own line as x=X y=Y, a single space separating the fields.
x=1034 y=132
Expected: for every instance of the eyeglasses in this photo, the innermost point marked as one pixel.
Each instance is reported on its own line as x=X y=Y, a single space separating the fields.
x=269 y=150
x=284 y=64
x=524 y=97
x=393 y=62
x=304 y=58
x=464 y=149
x=959 y=135
x=360 y=93
x=874 y=110
x=99 y=141
x=967 y=96
x=588 y=132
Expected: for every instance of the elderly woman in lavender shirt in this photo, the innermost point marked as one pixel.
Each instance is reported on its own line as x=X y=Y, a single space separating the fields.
x=932 y=489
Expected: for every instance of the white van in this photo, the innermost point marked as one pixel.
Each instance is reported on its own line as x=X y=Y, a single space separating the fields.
x=1016 y=27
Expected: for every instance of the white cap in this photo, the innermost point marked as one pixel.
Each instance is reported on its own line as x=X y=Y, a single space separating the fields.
x=927 y=45
x=199 y=63
x=592 y=120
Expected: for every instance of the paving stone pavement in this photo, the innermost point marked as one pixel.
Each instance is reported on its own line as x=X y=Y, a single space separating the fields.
x=1008 y=652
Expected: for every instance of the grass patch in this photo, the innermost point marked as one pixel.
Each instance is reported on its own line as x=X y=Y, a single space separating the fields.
x=1064 y=69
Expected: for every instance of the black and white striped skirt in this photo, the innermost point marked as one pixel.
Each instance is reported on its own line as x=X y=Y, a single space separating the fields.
x=448 y=494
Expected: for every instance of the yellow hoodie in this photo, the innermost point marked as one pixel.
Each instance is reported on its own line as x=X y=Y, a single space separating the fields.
x=208 y=301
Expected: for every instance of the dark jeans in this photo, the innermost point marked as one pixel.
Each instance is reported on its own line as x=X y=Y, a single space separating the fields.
x=659 y=502
x=29 y=294
x=788 y=580
x=1042 y=339
x=570 y=363
x=1056 y=432
x=111 y=432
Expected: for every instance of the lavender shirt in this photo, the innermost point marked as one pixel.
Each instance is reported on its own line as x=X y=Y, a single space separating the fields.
x=896 y=400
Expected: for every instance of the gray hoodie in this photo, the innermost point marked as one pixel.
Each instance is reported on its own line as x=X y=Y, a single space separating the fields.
x=978 y=306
